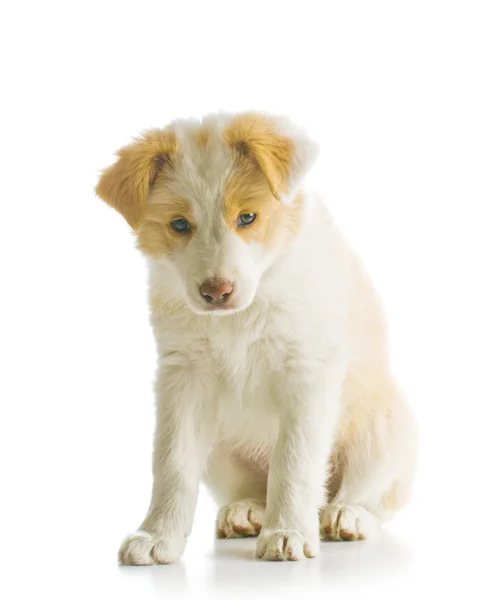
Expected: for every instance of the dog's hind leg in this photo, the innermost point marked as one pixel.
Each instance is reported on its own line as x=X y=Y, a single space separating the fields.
x=373 y=464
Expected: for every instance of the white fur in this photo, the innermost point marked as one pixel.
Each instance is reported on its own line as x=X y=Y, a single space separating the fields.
x=256 y=400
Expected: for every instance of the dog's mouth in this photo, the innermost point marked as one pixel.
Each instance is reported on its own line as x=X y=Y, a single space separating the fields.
x=223 y=310
x=201 y=307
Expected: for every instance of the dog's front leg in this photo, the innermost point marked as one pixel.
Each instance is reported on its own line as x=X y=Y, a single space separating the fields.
x=298 y=467
x=185 y=421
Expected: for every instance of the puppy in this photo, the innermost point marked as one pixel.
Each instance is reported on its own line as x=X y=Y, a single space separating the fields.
x=273 y=381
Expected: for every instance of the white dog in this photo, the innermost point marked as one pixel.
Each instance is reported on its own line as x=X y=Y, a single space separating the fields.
x=273 y=380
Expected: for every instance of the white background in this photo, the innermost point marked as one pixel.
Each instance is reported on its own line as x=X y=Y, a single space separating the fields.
x=400 y=96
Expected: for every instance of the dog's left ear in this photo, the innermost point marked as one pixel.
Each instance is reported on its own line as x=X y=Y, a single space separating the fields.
x=126 y=184
x=282 y=151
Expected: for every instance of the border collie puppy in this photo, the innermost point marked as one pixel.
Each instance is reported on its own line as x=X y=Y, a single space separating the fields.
x=273 y=382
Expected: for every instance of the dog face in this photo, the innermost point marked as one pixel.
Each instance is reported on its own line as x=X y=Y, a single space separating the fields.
x=213 y=202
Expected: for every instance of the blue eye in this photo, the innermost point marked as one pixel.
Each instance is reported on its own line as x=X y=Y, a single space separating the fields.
x=181 y=225
x=246 y=219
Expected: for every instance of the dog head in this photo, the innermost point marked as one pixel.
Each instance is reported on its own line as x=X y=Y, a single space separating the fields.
x=213 y=202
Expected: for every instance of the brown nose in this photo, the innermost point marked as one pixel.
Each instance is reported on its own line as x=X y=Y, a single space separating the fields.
x=216 y=291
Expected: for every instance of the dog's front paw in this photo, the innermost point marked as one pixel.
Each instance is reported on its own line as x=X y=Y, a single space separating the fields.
x=285 y=544
x=144 y=548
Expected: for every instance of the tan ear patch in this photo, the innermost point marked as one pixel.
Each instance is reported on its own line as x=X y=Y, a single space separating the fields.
x=125 y=185
x=255 y=136
x=248 y=192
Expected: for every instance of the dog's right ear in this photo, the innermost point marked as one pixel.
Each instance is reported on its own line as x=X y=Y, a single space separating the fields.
x=125 y=185
x=282 y=151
